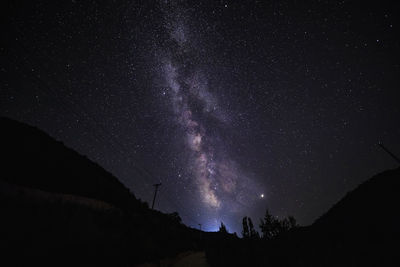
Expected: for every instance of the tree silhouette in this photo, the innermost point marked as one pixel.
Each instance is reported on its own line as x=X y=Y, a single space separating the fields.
x=175 y=217
x=252 y=232
x=292 y=222
x=270 y=226
x=222 y=228
x=245 y=231
x=288 y=223
x=248 y=229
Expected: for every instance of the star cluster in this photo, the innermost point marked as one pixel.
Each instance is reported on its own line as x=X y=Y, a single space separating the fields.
x=218 y=178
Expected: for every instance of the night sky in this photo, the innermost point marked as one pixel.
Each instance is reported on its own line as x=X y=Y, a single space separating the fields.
x=234 y=106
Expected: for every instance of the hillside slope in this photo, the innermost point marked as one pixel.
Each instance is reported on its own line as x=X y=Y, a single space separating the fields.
x=362 y=229
x=32 y=158
x=367 y=206
x=59 y=208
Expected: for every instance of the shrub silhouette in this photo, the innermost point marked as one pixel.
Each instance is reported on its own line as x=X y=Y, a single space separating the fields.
x=175 y=217
x=248 y=231
x=253 y=233
x=271 y=226
x=245 y=231
x=222 y=229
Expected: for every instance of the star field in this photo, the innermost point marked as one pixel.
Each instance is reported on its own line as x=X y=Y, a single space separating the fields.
x=234 y=106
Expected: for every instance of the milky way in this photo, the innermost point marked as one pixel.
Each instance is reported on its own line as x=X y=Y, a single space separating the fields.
x=221 y=183
x=234 y=106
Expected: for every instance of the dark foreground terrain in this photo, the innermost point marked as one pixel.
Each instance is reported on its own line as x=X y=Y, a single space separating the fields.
x=362 y=229
x=59 y=208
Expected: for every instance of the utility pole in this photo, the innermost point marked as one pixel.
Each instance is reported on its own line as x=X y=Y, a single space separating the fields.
x=200 y=233
x=155 y=194
x=390 y=153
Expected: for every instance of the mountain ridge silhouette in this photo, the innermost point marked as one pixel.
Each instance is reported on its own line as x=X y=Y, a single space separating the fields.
x=60 y=208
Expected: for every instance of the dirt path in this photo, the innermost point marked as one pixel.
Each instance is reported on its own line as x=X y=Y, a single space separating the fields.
x=185 y=259
x=193 y=259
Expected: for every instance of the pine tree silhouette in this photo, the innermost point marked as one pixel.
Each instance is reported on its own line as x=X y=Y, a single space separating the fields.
x=269 y=225
x=222 y=228
x=252 y=232
x=245 y=231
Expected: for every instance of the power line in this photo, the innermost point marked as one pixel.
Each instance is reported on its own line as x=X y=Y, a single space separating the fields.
x=390 y=153
x=155 y=194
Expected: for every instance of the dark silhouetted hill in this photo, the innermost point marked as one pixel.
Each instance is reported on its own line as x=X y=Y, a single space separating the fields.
x=366 y=206
x=59 y=208
x=33 y=159
x=362 y=229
